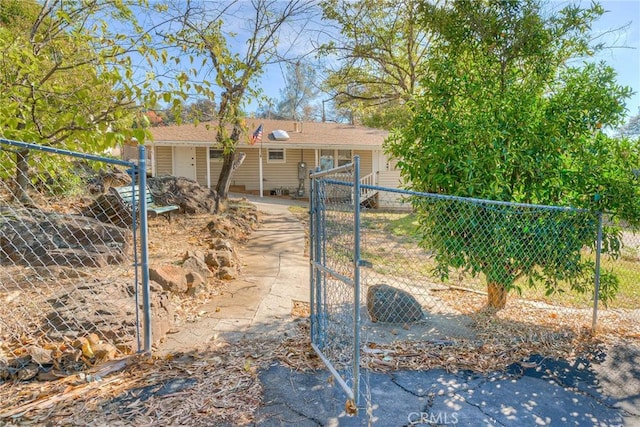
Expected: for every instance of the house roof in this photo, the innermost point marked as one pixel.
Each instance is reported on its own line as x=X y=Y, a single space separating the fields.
x=301 y=134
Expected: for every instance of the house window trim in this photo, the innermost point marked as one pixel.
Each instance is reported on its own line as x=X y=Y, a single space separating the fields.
x=338 y=159
x=277 y=161
x=335 y=156
x=216 y=159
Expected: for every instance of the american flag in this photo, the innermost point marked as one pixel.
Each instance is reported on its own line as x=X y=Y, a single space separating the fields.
x=257 y=135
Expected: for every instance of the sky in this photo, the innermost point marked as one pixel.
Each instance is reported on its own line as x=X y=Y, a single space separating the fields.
x=625 y=58
x=623 y=15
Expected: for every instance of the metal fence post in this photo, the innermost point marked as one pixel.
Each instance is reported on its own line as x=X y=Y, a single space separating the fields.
x=321 y=258
x=144 y=252
x=312 y=273
x=596 y=293
x=356 y=280
x=136 y=264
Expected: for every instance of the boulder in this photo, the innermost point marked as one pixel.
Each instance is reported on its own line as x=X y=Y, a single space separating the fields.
x=171 y=277
x=162 y=314
x=211 y=259
x=37 y=238
x=225 y=259
x=222 y=244
x=196 y=263
x=227 y=273
x=391 y=305
x=195 y=284
x=40 y=355
x=104 y=312
x=186 y=193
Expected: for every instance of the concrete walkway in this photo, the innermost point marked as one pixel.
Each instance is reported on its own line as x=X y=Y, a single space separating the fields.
x=275 y=273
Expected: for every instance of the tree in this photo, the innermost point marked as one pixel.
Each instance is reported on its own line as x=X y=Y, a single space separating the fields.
x=200 y=110
x=235 y=72
x=504 y=117
x=66 y=80
x=380 y=53
x=630 y=129
x=298 y=92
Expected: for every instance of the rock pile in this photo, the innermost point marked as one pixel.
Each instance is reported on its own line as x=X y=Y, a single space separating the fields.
x=34 y=238
x=186 y=193
x=193 y=275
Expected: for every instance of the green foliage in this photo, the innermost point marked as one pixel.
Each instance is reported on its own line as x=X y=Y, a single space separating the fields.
x=381 y=50
x=300 y=89
x=508 y=242
x=504 y=117
x=57 y=87
x=68 y=80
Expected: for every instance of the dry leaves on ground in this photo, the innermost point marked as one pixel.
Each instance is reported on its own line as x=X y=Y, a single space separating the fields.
x=200 y=388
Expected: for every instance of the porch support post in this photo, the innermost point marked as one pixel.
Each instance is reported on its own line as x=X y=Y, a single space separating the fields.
x=153 y=160
x=260 y=169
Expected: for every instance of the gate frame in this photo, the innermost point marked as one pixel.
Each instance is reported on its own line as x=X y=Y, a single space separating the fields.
x=317 y=256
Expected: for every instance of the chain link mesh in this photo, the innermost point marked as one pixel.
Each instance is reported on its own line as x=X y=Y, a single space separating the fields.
x=429 y=259
x=334 y=319
x=442 y=270
x=67 y=268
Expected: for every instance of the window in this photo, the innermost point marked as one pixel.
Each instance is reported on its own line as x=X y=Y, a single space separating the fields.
x=276 y=155
x=216 y=154
x=326 y=159
x=344 y=157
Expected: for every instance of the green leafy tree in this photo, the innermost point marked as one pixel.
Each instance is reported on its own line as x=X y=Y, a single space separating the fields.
x=298 y=92
x=67 y=80
x=381 y=49
x=504 y=117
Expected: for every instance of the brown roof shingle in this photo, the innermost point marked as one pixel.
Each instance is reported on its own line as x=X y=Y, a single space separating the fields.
x=314 y=134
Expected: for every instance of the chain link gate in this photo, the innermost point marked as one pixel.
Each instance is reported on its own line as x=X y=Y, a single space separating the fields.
x=73 y=263
x=335 y=282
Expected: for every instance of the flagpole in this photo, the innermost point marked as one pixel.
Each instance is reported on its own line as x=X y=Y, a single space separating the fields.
x=260 y=173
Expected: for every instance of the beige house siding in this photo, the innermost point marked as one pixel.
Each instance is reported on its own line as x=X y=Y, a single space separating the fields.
x=390 y=179
x=366 y=161
x=164 y=161
x=276 y=176
x=201 y=166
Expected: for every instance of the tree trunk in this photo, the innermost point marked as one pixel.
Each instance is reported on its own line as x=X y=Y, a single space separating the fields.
x=224 y=179
x=497 y=295
x=22 y=177
x=230 y=163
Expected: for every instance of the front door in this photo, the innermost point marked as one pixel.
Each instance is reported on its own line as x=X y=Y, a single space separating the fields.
x=184 y=162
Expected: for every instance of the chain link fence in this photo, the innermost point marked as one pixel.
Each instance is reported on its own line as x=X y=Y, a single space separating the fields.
x=69 y=284
x=444 y=281
x=537 y=265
